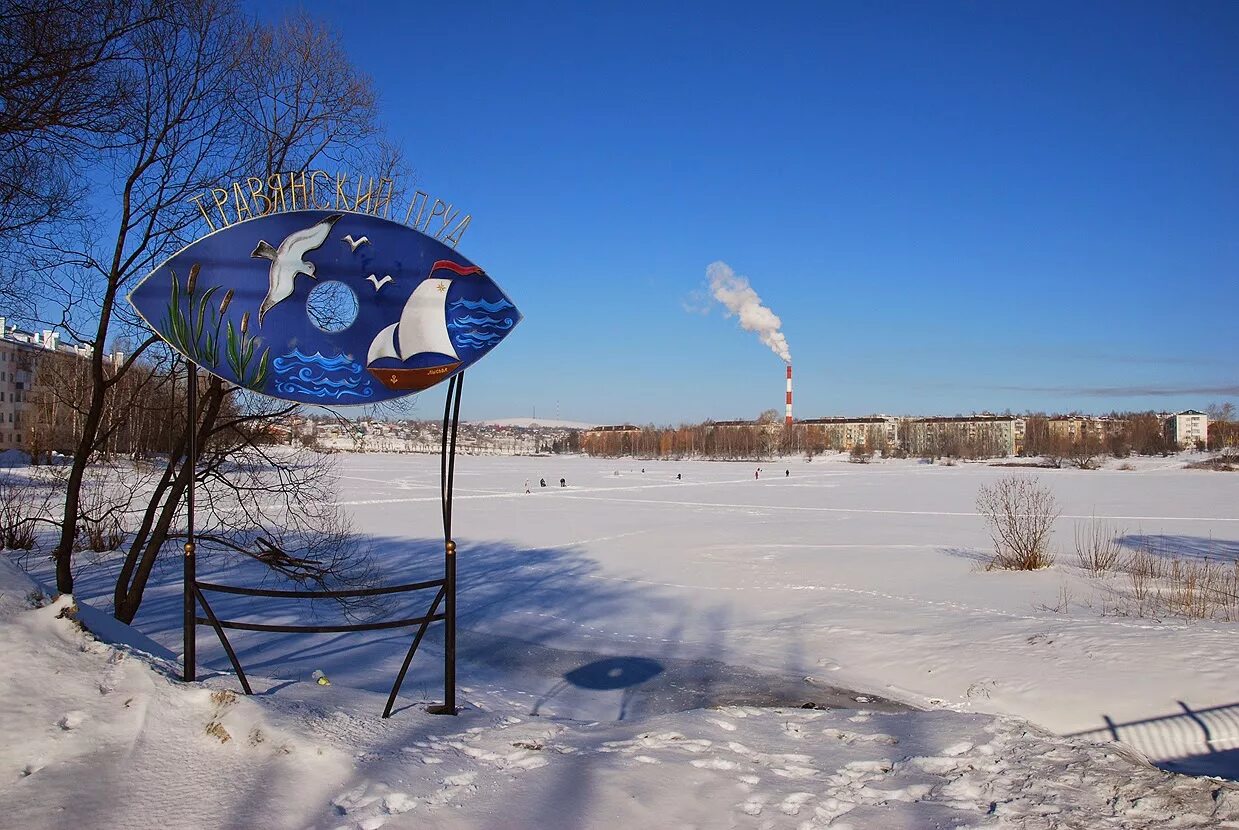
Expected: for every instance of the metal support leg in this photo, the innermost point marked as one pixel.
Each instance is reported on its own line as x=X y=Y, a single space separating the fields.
x=451 y=420
x=408 y=658
x=191 y=565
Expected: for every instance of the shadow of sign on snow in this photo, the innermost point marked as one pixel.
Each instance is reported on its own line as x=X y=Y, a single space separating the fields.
x=622 y=674
x=1193 y=741
x=536 y=625
x=1183 y=547
x=535 y=593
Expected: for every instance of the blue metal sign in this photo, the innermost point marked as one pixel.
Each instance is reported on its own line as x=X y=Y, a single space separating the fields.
x=325 y=308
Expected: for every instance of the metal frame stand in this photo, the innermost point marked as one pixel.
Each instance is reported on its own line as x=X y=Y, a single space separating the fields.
x=194 y=591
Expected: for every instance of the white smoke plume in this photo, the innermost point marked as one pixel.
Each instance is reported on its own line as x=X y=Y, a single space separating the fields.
x=739 y=298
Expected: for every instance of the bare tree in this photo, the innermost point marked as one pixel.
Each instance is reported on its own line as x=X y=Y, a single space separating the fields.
x=1086 y=451
x=61 y=66
x=174 y=137
x=1019 y=514
x=273 y=504
x=213 y=96
x=1224 y=411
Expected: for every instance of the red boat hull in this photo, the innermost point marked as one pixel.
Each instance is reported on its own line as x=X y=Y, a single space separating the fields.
x=413 y=380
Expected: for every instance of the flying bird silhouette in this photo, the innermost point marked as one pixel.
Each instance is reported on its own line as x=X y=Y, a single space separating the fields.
x=288 y=260
x=354 y=244
x=379 y=283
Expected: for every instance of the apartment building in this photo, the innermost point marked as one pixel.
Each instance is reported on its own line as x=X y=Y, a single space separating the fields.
x=1074 y=428
x=18 y=354
x=980 y=436
x=846 y=433
x=21 y=353
x=1187 y=428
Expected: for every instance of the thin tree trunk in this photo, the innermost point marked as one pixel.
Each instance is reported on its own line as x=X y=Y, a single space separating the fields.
x=63 y=555
x=143 y=554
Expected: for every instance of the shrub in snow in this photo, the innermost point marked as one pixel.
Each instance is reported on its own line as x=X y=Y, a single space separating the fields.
x=1162 y=584
x=860 y=454
x=1019 y=514
x=22 y=502
x=1097 y=546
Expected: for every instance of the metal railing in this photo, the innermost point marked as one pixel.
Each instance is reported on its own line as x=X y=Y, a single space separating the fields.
x=195 y=590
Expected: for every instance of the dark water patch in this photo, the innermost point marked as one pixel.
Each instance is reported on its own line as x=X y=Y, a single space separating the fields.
x=583 y=685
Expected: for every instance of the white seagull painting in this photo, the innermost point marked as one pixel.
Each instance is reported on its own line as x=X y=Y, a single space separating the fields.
x=288 y=260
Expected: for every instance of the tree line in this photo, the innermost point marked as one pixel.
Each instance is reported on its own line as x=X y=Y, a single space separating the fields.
x=1128 y=433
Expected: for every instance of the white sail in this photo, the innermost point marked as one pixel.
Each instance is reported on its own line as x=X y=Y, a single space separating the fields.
x=383 y=345
x=423 y=323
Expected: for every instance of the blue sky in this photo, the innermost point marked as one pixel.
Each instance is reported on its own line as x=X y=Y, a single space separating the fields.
x=951 y=206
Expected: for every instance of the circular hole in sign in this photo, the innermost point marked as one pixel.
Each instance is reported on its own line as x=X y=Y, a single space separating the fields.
x=332 y=306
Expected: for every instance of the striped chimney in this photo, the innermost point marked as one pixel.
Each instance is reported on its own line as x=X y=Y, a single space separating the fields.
x=789 y=395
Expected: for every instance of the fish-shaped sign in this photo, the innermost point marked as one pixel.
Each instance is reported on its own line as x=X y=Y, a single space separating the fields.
x=325 y=308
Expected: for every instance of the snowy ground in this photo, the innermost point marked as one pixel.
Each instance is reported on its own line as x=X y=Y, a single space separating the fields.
x=636 y=648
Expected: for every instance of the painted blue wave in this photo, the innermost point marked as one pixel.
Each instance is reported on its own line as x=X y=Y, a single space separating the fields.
x=340 y=361
x=503 y=323
x=287 y=388
x=335 y=378
x=476 y=339
x=474 y=305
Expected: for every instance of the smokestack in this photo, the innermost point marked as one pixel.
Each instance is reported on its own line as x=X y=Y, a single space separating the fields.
x=789 y=395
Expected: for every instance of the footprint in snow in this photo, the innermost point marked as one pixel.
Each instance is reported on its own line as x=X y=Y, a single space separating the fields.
x=464 y=779
x=529 y=762
x=71 y=720
x=794 y=771
x=353 y=800
x=453 y=785
x=396 y=803
x=829 y=809
x=792 y=804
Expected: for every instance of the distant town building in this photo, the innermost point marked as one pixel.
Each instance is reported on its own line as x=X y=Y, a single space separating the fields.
x=17 y=357
x=1187 y=428
x=976 y=436
x=21 y=386
x=846 y=433
x=611 y=429
x=1074 y=428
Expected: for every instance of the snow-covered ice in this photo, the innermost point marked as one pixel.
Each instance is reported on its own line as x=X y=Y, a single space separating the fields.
x=637 y=648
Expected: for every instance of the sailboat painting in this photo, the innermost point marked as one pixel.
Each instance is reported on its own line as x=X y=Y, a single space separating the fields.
x=422 y=329
x=326 y=307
